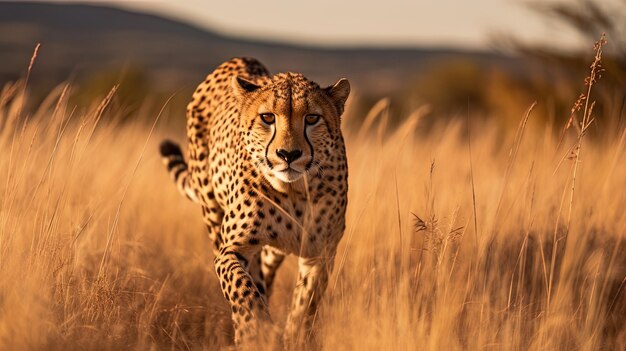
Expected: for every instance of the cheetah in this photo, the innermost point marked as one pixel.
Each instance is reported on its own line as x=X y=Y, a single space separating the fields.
x=267 y=164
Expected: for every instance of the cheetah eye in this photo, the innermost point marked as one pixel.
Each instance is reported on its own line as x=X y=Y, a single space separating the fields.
x=311 y=119
x=268 y=118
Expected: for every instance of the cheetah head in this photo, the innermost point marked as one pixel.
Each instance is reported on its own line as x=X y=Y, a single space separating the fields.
x=291 y=126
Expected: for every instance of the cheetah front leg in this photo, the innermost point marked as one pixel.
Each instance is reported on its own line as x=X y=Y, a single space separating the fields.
x=256 y=272
x=271 y=259
x=312 y=281
x=250 y=313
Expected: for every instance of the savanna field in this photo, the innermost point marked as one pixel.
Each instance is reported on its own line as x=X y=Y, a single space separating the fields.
x=460 y=236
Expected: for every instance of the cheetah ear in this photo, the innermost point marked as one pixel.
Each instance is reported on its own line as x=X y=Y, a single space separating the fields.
x=242 y=86
x=339 y=93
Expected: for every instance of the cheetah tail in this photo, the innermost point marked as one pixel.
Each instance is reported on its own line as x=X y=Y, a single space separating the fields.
x=177 y=167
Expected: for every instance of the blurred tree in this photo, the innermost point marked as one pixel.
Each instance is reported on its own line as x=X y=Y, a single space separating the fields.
x=567 y=69
x=133 y=89
x=448 y=86
x=136 y=97
x=589 y=19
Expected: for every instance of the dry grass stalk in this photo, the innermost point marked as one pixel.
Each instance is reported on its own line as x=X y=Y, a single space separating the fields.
x=595 y=72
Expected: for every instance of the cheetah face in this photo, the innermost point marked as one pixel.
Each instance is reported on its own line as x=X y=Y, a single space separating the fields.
x=290 y=125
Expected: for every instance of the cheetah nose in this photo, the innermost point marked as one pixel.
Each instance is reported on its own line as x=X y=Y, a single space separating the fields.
x=289 y=156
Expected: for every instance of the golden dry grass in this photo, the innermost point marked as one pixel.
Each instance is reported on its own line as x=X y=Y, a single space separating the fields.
x=98 y=250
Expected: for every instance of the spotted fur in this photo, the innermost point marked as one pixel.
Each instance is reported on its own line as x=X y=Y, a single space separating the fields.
x=267 y=164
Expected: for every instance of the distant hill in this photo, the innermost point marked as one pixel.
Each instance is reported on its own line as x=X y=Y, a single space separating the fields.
x=78 y=40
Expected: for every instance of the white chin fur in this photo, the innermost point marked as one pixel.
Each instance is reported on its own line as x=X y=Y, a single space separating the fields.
x=288 y=176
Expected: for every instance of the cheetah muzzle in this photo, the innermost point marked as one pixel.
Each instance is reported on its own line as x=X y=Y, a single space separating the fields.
x=266 y=162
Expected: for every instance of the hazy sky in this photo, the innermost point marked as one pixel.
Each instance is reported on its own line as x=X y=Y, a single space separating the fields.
x=457 y=23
